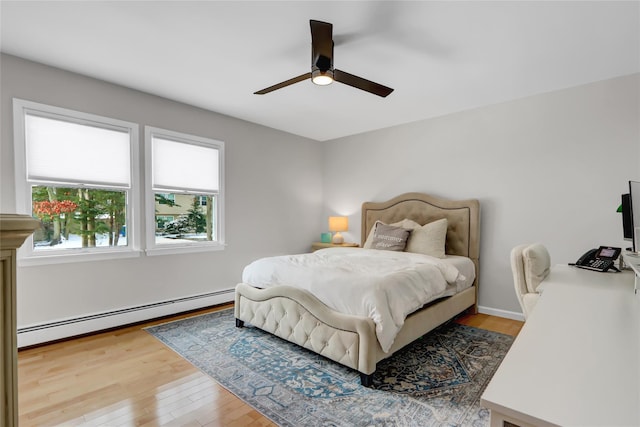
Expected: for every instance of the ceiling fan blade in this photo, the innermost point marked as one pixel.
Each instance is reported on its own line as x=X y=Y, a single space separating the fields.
x=321 y=44
x=286 y=83
x=360 y=83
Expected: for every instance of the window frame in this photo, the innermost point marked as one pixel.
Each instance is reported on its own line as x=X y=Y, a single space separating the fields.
x=152 y=248
x=27 y=255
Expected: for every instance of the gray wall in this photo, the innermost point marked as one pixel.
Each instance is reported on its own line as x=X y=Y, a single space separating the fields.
x=547 y=168
x=273 y=198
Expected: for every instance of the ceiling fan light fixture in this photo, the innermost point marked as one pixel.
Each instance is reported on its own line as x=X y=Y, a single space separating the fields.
x=322 y=78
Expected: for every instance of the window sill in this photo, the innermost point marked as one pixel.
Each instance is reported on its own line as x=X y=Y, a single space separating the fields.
x=75 y=257
x=184 y=249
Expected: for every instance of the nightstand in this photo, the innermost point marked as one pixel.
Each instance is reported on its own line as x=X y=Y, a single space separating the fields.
x=319 y=245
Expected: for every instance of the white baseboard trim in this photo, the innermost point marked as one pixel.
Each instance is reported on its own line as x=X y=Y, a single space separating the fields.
x=501 y=313
x=52 y=331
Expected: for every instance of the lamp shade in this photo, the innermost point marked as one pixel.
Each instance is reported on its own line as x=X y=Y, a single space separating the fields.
x=338 y=223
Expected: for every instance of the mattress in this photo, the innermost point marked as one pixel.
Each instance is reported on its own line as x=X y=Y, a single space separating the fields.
x=467 y=269
x=385 y=286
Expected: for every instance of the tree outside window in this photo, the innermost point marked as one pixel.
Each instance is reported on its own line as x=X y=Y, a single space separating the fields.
x=190 y=219
x=79 y=217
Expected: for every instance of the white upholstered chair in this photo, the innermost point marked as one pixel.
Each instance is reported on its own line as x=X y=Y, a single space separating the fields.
x=530 y=266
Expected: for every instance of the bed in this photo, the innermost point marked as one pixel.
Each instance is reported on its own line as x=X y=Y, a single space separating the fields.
x=298 y=316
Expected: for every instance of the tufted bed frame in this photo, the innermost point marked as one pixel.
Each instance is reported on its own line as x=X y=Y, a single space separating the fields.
x=297 y=316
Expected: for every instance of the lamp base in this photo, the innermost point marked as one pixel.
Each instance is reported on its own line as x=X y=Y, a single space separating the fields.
x=337 y=239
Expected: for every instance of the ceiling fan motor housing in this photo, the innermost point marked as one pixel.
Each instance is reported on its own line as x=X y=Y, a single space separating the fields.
x=323 y=66
x=322 y=63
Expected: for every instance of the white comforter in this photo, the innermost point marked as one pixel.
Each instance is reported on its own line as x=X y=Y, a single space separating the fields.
x=383 y=285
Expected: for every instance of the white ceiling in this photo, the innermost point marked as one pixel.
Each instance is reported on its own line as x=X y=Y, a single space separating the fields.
x=440 y=57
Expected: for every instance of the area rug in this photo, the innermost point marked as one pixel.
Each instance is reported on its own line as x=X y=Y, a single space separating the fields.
x=435 y=381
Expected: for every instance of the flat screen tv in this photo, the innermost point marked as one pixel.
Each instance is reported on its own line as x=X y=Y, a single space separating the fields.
x=632 y=216
x=627 y=220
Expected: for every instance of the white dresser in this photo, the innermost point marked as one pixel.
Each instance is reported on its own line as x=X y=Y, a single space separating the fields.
x=576 y=361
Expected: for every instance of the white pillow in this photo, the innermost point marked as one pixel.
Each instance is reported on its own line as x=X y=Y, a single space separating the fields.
x=406 y=223
x=429 y=239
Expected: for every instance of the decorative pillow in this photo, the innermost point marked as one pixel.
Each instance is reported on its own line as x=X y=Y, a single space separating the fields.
x=389 y=238
x=536 y=261
x=429 y=239
x=406 y=223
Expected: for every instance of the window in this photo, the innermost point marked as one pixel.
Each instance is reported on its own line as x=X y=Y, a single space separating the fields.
x=74 y=172
x=184 y=193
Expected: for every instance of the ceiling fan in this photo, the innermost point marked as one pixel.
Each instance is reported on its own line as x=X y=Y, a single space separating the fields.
x=322 y=71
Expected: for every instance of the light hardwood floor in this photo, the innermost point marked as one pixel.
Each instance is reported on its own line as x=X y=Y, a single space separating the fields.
x=125 y=377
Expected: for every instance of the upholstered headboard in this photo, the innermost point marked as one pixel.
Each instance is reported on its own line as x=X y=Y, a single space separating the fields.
x=463 y=217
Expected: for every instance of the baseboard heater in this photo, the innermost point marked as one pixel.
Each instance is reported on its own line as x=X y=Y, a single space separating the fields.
x=65 y=328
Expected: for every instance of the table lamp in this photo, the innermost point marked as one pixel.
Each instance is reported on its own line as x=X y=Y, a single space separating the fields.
x=338 y=224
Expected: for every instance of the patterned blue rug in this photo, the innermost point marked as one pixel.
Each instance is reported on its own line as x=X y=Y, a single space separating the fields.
x=435 y=381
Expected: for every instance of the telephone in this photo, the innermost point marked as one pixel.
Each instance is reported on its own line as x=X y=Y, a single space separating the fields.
x=601 y=259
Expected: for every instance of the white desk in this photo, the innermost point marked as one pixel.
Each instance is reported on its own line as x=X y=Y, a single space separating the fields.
x=576 y=361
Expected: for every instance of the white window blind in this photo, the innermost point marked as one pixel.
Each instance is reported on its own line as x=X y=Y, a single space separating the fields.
x=184 y=166
x=63 y=151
